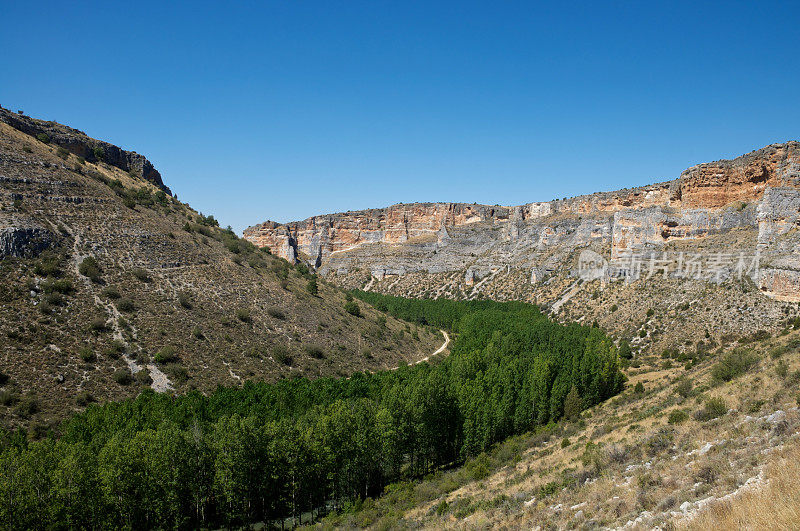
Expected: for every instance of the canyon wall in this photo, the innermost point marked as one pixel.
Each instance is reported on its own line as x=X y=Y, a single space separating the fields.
x=757 y=194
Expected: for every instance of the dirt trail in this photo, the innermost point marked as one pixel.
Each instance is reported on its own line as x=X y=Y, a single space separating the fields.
x=571 y=291
x=160 y=381
x=437 y=351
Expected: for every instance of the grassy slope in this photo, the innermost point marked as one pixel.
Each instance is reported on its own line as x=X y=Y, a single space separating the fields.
x=644 y=470
x=242 y=319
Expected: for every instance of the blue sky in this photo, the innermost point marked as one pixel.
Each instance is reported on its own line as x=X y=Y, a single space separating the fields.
x=282 y=110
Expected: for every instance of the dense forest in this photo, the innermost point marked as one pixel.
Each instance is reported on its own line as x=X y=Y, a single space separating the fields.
x=265 y=452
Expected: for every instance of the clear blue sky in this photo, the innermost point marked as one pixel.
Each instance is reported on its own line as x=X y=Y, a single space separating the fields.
x=282 y=110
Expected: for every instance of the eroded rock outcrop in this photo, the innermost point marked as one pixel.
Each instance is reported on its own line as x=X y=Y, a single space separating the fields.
x=757 y=194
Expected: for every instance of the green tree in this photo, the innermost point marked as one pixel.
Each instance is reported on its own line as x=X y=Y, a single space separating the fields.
x=312 y=287
x=573 y=405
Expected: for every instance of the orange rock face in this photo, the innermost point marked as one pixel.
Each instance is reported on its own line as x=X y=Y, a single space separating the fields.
x=717 y=184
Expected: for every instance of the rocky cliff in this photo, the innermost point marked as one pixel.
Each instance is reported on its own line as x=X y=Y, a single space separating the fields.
x=80 y=144
x=697 y=203
x=717 y=217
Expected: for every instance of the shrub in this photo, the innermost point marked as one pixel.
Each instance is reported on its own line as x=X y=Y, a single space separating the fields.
x=208 y=221
x=54 y=299
x=243 y=315
x=98 y=324
x=781 y=369
x=618 y=454
x=86 y=354
x=639 y=388
x=565 y=443
x=276 y=313
x=90 y=268
x=43 y=138
x=99 y=153
x=141 y=274
x=62 y=153
x=7 y=398
x=312 y=286
x=161 y=198
x=125 y=305
x=734 y=364
x=116 y=348
x=232 y=246
x=281 y=270
x=84 y=398
x=282 y=355
x=122 y=376
x=660 y=441
x=63 y=286
x=27 y=407
x=315 y=351
x=352 y=308
x=166 y=355
x=112 y=293
x=143 y=377
x=624 y=350
x=48 y=265
x=712 y=409
x=708 y=473
x=184 y=299
x=197 y=333
x=677 y=416
x=684 y=388
x=777 y=352
x=178 y=373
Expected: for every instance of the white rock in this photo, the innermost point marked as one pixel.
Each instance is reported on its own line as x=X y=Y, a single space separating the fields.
x=704 y=450
x=776 y=417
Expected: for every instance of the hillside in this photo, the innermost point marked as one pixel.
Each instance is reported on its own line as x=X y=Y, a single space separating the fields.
x=707 y=444
x=272 y=454
x=112 y=285
x=708 y=257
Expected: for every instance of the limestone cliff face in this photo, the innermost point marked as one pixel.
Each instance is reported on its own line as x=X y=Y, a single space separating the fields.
x=757 y=194
x=319 y=237
x=80 y=144
x=687 y=207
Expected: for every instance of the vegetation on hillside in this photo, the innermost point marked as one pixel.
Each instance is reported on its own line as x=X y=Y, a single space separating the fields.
x=265 y=452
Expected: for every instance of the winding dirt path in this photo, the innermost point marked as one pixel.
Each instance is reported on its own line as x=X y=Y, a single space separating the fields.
x=437 y=351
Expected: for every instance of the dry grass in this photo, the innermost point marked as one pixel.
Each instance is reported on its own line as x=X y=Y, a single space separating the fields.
x=775 y=505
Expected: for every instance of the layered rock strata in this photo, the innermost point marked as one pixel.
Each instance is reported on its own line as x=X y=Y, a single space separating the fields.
x=758 y=192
